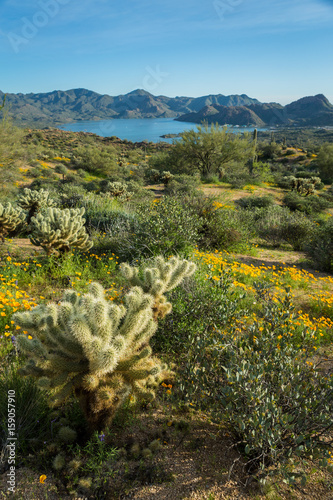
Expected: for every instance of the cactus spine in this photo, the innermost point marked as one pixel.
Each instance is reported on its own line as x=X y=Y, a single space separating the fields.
x=98 y=350
x=57 y=230
x=10 y=218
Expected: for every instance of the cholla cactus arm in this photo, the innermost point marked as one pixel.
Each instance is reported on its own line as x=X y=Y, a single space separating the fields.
x=162 y=278
x=159 y=280
x=34 y=201
x=60 y=230
x=10 y=218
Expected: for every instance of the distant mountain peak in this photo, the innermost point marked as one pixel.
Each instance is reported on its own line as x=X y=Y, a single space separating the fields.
x=139 y=92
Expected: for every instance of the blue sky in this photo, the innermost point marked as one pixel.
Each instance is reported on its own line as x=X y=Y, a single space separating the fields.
x=274 y=50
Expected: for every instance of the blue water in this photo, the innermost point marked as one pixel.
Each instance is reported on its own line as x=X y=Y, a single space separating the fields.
x=135 y=130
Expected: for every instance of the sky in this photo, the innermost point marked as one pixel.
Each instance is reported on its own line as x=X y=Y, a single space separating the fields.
x=272 y=50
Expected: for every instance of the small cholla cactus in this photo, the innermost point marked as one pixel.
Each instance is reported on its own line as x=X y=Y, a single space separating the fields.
x=57 y=230
x=10 y=218
x=59 y=462
x=303 y=186
x=166 y=177
x=34 y=201
x=117 y=190
x=99 y=351
x=67 y=435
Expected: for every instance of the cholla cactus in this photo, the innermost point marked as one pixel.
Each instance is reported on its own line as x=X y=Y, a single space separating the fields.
x=166 y=177
x=34 y=201
x=10 y=218
x=57 y=230
x=303 y=186
x=159 y=280
x=117 y=190
x=96 y=349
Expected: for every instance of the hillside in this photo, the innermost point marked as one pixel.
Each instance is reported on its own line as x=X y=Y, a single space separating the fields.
x=307 y=111
x=59 y=107
x=261 y=296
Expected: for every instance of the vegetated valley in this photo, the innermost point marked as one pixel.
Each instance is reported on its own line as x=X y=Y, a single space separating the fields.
x=166 y=315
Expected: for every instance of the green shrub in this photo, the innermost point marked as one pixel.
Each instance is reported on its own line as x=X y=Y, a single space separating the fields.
x=32 y=413
x=237 y=175
x=307 y=204
x=166 y=177
x=278 y=225
x=165 y=227
x=116 y=190
x=320 y=248
x=102 y=211
x=198 y=305
x=255 y=202
x=183 y=184
x=223 y=229
x=95 y=160
x=259 y=382
x=268 y=151
x=305 y=174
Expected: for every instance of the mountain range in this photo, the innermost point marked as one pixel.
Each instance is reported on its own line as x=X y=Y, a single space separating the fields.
x=60 y=107
x=307 y=111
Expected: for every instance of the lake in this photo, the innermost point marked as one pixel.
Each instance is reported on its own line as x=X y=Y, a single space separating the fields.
x=136 y=130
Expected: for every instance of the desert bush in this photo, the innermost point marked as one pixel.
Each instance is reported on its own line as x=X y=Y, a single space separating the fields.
x=107 y=215
x=255 y=202
x=307 y=204
x=278 y=225
x=261 y=384
x=305 y=174
x=320 y=247
x=223 y=229
x=324 y=162
x=116 y=190
x=166 y=227
x=268 y=151
x=302 y=185
x=237 y=174
x=32 y=414
x=198 y=306
x=166 y=177
x=153 y=175
x=182 y=184
x=95 y=160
